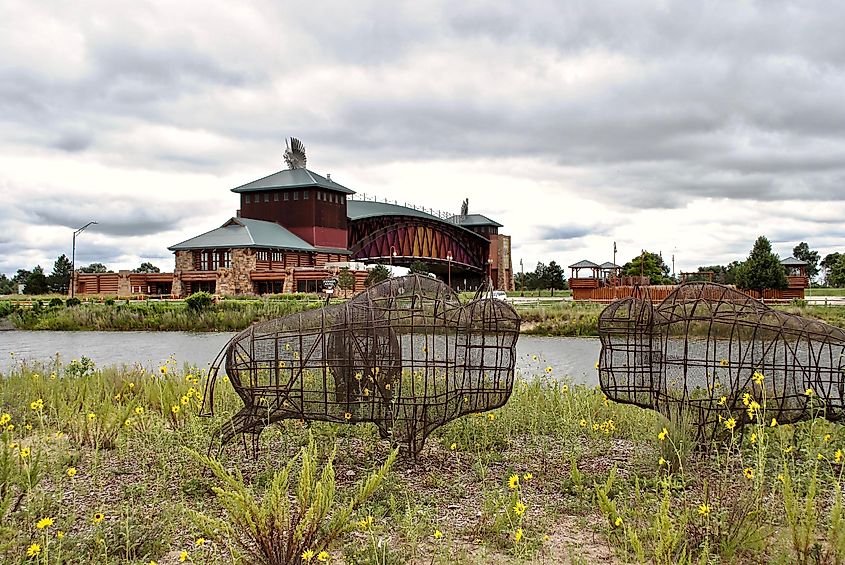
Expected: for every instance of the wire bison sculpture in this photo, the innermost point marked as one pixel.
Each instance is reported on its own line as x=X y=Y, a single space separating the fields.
x=405 y=355
x=709 y=353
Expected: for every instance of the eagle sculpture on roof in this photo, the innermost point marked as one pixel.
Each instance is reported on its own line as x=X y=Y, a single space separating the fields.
x=295 y=154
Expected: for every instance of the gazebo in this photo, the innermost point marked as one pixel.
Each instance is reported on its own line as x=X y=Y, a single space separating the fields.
x=585 y=264
x=610 y=272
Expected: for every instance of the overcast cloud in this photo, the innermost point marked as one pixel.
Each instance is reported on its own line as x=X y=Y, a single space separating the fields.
x=680 y=127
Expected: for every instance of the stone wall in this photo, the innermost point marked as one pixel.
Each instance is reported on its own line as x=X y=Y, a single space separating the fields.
x=235 y=280
x=184 y=262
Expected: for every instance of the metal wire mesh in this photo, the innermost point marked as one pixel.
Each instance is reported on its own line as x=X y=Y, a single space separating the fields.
x=405 y=355
x=708 y=353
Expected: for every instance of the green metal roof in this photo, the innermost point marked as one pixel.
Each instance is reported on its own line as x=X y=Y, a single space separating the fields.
x=292 y=178
x=793 y=262
x=585 y=264
x=473 y=220
x=244 y=232
x=357 y=209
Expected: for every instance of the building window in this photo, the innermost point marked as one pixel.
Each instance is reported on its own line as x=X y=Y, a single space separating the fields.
x=278 y=256
x=296 y=195
x=262 y=255
x=319 y=195
x=343 y=199
x=305 y=194
x=246 y=199
x=211 y=260
x=275 y=197
x=266 y=197
x=286 y=197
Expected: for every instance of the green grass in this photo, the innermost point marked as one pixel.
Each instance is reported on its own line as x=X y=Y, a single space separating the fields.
x=558 y=472
x=825 y=292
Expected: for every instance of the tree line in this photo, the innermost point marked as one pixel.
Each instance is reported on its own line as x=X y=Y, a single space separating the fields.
x=36 y=281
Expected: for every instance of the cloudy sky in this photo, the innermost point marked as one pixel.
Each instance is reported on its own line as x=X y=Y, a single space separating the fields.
x=681 y=127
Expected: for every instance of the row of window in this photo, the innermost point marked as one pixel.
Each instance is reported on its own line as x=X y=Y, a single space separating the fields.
x=267 y=255
x=212 y=260
x=294 y=195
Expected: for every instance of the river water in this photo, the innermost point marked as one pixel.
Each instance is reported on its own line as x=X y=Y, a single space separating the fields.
x=571 y=358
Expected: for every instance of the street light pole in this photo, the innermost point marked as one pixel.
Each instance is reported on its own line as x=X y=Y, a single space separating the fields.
x=449 y=259
x=522 y=268
x=73 y=258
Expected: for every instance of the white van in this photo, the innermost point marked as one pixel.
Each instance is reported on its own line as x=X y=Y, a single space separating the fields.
x=500 y=295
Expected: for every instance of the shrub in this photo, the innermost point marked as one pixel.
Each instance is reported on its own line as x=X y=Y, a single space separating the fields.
x=55 y=302
x=109 y=302
x=72 y=302
x=199 y=301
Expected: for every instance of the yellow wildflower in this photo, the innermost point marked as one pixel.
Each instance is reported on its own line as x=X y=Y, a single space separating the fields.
x=748 y=472
x=730 y=423
x=519 y=508
x=175 y=408
x=91 y=416
x=454 y=446
x=44 y=523
x=827 y=438
x=183 y=555
x=661 y=462
x=131 y=385
x=117 y=396
x=583 y=423
x=549 y=369
x=10 y=427
x=323 y=556
x=746 y=399
x=838 y=456
x=200 y=541
x=163 y=369
x=60 y=534
x=820 y=457
x=5 y=419
x=37 y=404
x=781 y=478
x=527 y=476
x=366 y=392
x=347 y=415
x=98 y=517
x=33 y=550
x=758 y=377
x=723 y=400
x=24 y=452
x=809 y=392
x=184 y=400
x=71 y=471
x=774 y=422
x=724 y=363
x=517 y=535
x=491 y=416
x=139 y=410
x=662 y=435
x=513 y=482
x=618 y=521
x=703 y=510
x=437 y=534
x=753 y=438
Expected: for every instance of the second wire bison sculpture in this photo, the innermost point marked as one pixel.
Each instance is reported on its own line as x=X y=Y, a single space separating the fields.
x=405 y=355
x=710 y=353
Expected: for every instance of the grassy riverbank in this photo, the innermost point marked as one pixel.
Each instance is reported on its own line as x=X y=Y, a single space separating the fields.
x=95 y=467
x=559 y=318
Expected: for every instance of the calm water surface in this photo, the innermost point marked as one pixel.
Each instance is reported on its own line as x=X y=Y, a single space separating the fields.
x=574 y=358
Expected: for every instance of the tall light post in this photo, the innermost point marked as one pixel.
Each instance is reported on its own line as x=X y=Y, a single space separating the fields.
x=449 y=259
x=522 y=269
x=490 y=273
x=73 y=258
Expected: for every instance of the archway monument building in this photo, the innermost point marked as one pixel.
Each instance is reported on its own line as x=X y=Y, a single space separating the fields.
x=295 y=228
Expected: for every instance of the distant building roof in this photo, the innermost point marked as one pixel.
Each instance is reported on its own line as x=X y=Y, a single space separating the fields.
x=584 y=265
x=473 y=220
x=292 y=178
x=609 y=265
x=793 y=262
x=245 y=232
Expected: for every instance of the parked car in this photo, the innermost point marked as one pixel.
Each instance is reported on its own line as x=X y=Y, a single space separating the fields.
x=500 y=295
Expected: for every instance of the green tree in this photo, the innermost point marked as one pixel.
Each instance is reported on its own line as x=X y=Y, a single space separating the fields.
x=650 y=265
x=146 y=267
x=36 y=283
x=722 y=274
x=345 y=279
x=376 y=275
x=836 y=272
x=6 y=285
x=94 y=268
x=419 y=267
x=827 y=264
x=802 y=251
x=762 y=269
x=553 y=277
x=59 y=279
